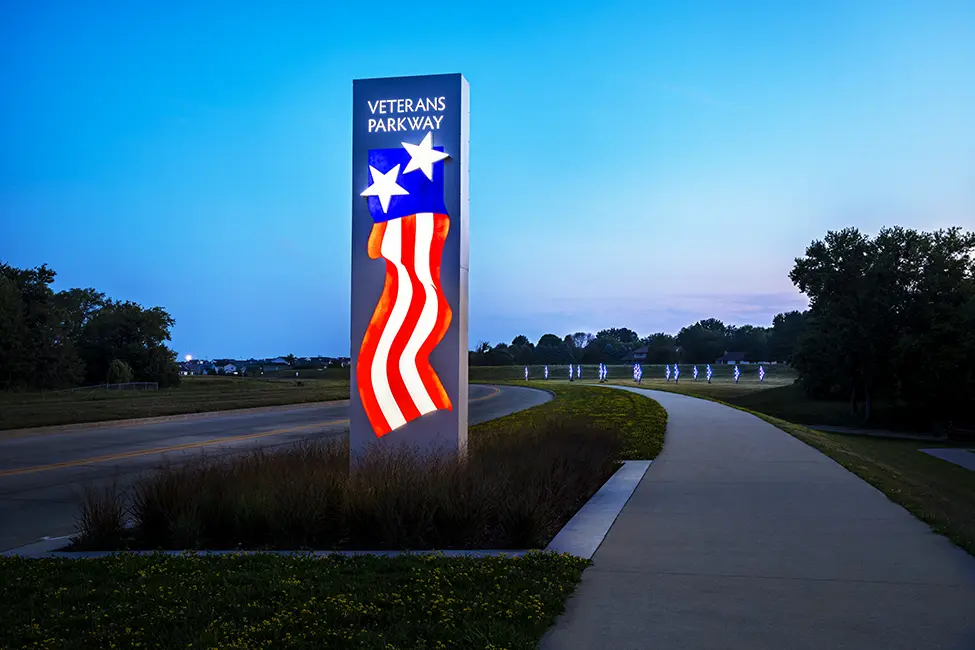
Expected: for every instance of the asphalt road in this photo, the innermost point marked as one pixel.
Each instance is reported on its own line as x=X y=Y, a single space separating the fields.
x=43 y=475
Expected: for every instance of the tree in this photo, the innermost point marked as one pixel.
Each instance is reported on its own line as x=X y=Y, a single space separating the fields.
x=552 y=349
x=127 y=331
x=580 y=340
x=77 y=307
x=661 y=348
x=704 y=341
x=14 y=363
x=751 y=341
x=522 y=350
x=479 y=355
x=549 y=339
x=832 y=274
x=892 y=316
x=36 y=350
x=784 y=337
x=618 y=335
x=290 y=359
x=500 y=355
x=119 y=372
x=934 y=352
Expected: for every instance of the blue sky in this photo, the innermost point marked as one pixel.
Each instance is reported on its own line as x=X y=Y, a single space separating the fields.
x=632 y=163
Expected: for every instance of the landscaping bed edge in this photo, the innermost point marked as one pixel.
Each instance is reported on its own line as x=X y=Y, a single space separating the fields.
x=580 y=536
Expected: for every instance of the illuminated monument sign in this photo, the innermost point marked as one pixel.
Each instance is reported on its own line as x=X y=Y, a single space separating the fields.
x=409 y=262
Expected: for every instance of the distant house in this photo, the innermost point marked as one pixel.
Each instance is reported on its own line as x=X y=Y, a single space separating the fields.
x=279 y=362
x=638 y=356
x=197 y=367
x=229 y=369
x=731 y=358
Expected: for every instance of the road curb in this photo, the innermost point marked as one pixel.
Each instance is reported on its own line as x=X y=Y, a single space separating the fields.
x=581 y=536
x=585 y=532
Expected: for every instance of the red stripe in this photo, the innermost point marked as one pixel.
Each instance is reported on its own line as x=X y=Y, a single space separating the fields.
x=432 y=383
x=370 y=341
x=396 y=383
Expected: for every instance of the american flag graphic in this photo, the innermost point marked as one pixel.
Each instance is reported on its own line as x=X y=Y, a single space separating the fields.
x=396 y=382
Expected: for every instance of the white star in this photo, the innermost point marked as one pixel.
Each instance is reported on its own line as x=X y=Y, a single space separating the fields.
x=384 y=186
x=423 y=155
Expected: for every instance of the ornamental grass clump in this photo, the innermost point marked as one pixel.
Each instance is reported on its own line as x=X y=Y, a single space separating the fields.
x=515 y=489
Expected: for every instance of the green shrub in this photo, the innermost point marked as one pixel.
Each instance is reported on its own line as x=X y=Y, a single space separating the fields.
x=119 y=372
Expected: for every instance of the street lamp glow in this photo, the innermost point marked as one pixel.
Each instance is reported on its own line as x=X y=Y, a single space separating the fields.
x=188 y=357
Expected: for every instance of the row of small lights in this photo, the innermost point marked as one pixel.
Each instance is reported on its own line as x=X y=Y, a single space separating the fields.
x=638 y=373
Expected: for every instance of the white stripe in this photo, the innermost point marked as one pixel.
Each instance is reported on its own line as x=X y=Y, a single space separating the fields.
x=391 y=249
x=428 y=316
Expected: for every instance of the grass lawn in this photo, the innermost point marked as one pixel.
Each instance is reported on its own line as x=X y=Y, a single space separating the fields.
x=641 y=422
x=193 y=395
x=265 y=601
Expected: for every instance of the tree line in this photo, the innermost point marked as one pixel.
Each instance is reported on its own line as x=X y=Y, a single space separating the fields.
x=703 y=342
x=60 y=339
x=890 y=318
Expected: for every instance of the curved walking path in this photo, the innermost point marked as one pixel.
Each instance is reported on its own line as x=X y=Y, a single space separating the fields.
x=741 y=536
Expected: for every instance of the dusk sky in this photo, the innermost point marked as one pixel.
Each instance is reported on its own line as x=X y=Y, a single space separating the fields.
x=632 y=164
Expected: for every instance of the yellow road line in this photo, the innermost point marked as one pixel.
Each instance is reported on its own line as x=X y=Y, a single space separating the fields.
x=495 y=392
x=160 y=450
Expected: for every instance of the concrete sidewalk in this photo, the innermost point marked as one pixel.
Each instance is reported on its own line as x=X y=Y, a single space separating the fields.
x=741 y=536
